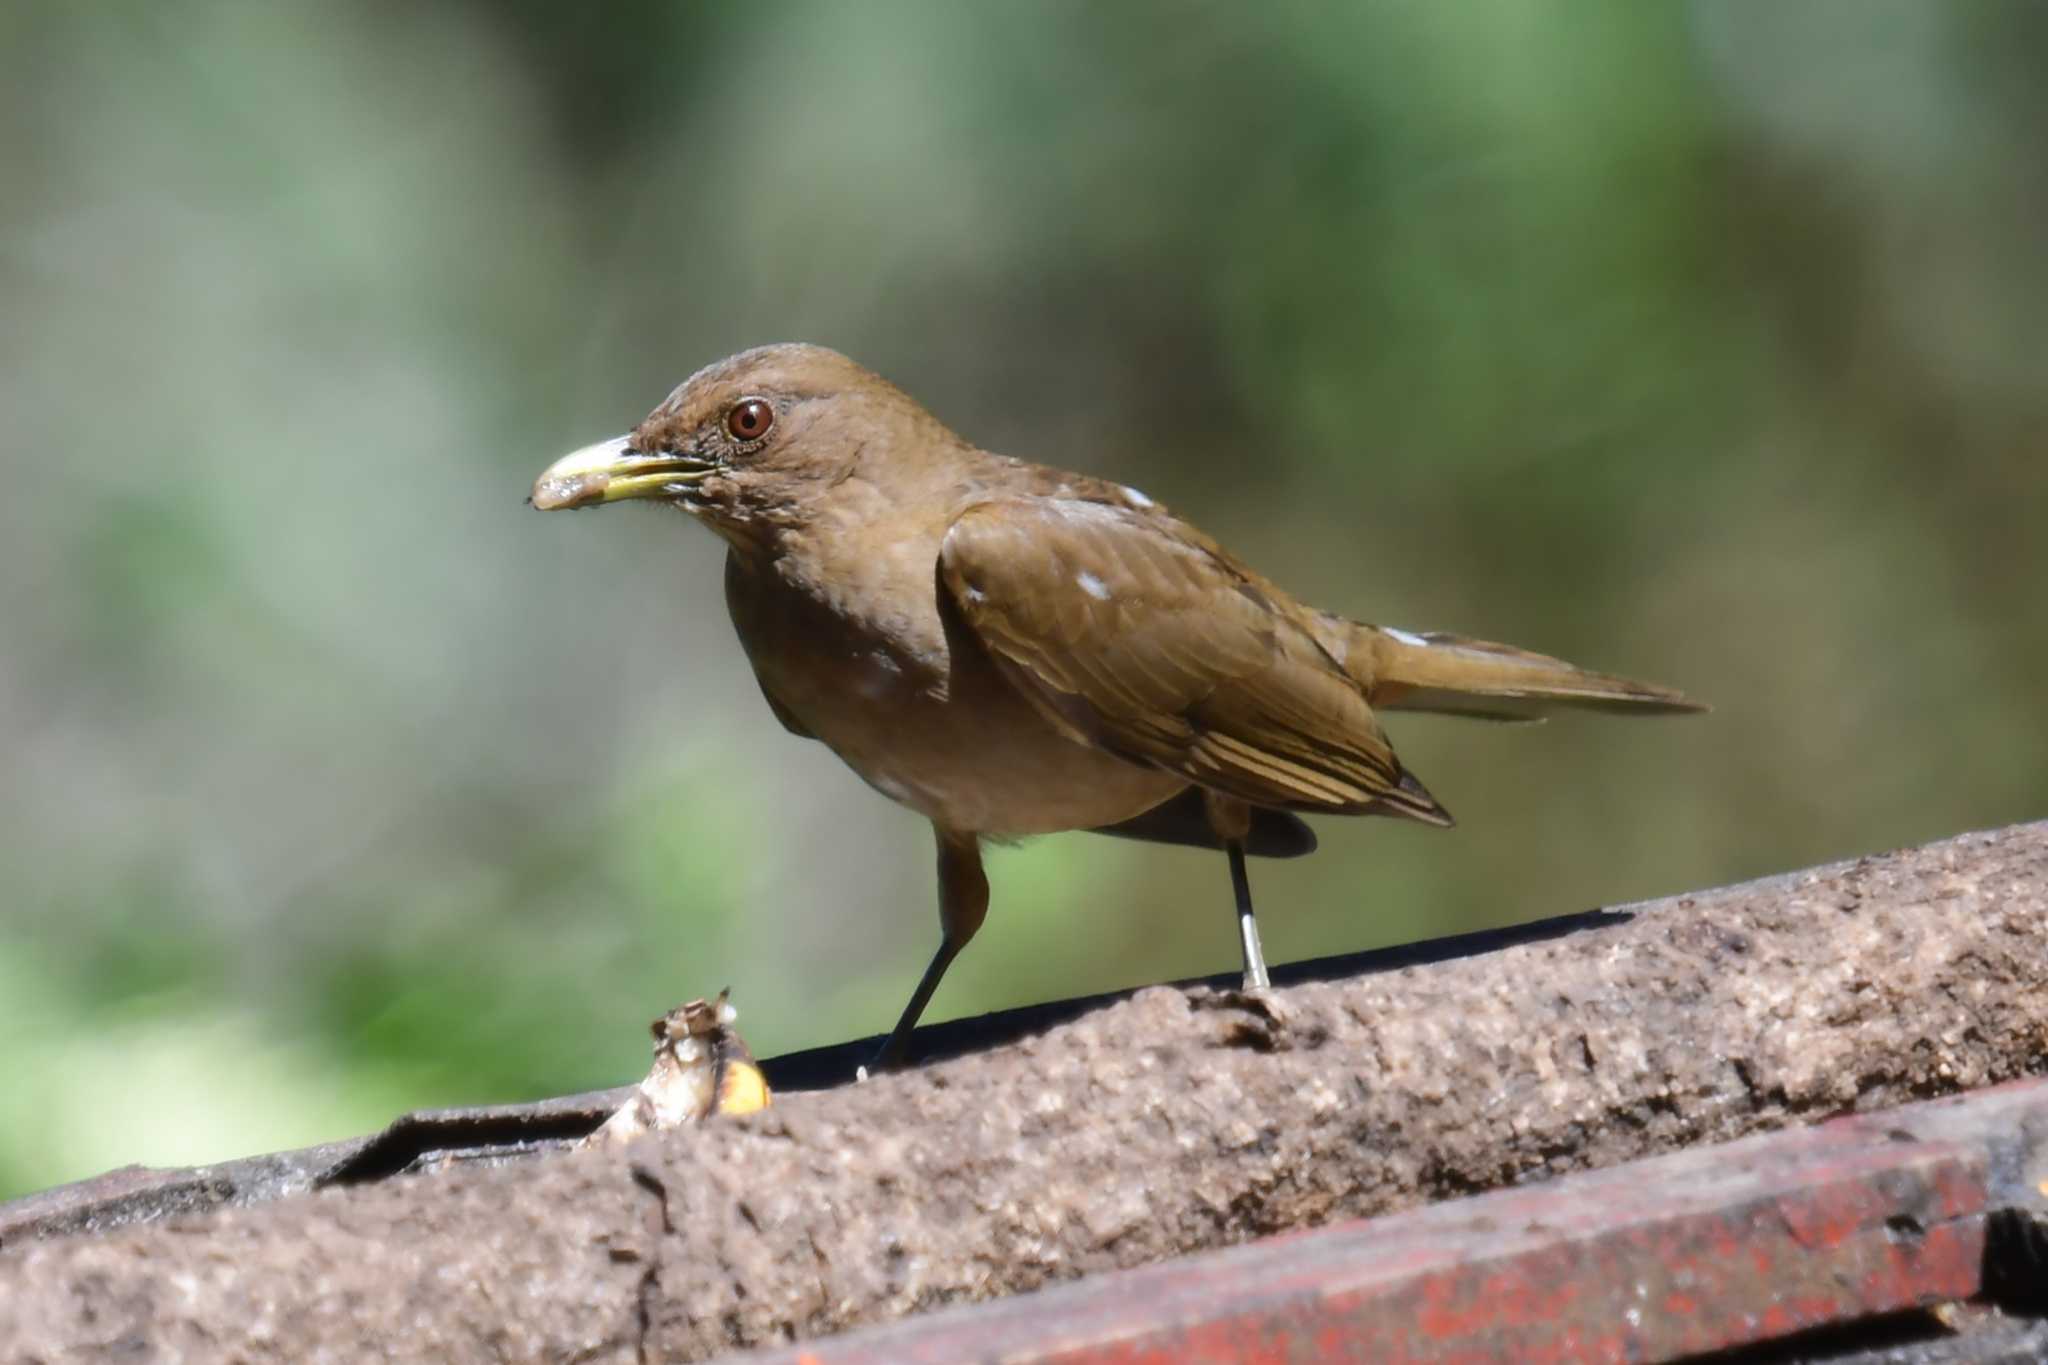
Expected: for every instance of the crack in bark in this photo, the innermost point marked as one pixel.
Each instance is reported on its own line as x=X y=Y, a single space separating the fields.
x=650 y=1277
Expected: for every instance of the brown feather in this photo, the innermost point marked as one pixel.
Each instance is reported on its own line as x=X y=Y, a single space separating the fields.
x=1134 y=631
x=1456 y=675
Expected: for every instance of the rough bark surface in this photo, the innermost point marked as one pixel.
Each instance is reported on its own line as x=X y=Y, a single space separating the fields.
x=1173 y=1121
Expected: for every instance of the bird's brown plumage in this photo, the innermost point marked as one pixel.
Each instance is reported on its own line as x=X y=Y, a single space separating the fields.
x=1013 y=649
x=1133 y=632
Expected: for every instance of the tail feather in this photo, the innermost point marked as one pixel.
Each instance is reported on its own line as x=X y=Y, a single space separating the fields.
x=1453 y=675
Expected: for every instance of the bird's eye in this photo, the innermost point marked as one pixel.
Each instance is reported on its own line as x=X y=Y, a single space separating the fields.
x=750 y=419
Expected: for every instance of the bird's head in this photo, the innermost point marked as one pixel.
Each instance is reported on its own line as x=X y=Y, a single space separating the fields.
x=742 y=441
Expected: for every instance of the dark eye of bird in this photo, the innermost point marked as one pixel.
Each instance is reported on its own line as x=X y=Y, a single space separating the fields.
x=750 y=419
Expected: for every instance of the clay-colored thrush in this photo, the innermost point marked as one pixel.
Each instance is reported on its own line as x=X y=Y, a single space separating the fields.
x=1010 y=649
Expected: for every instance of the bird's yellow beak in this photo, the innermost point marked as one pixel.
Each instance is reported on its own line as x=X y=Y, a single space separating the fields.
x=611 y=471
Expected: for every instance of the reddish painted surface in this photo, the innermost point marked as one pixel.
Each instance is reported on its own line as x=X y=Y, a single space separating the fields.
x=1657 y=1259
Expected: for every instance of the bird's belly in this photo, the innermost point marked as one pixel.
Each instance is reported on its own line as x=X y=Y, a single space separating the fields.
x=986 y=762
x=937 y=729
x=1025 y=778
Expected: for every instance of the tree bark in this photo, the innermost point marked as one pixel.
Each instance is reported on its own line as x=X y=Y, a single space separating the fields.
x=1172 y=1121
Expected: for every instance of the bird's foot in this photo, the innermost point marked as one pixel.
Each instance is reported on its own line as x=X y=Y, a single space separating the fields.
x=1259 y=1017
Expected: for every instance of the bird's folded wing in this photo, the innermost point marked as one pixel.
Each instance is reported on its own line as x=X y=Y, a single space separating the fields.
x=1133 y=632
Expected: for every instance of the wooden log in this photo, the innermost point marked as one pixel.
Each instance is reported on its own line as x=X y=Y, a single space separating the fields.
x=1171 y=1122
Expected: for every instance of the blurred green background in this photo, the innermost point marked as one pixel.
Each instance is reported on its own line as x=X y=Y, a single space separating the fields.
x=1703 y=343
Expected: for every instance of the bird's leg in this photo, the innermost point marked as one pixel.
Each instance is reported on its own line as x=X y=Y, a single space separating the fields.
x=963 y=904
x=1255 y=978
x=1232 y=821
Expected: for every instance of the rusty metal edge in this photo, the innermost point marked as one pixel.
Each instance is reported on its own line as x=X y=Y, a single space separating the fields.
x=1662 y=1258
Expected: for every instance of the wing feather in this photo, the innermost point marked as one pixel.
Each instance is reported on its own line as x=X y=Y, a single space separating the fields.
x=1132 y=631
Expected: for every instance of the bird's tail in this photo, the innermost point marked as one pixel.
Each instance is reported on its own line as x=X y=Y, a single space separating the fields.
x=1450 y=674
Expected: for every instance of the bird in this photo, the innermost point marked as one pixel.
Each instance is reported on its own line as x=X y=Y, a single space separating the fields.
x=1011 y=649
